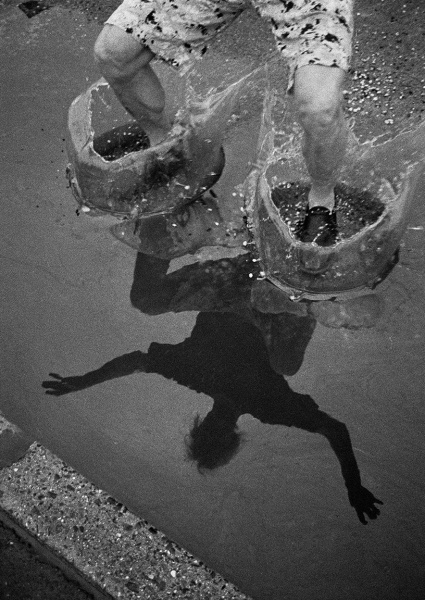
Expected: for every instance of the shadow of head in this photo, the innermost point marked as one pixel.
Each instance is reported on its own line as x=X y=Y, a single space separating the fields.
x=212 y=442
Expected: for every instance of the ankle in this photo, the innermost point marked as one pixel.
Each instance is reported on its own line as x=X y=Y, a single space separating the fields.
x=321 y=195
x=156 y=128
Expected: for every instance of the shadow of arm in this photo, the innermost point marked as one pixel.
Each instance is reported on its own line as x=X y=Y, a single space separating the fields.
x=361 y=499
x=117 y=367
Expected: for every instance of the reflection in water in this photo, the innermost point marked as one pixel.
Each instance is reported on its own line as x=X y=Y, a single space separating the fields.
x=228 y=356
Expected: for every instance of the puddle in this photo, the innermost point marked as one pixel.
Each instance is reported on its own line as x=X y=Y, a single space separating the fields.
x=355 y=209
x=277 y=514
x=33 y=8
x=121 y=141
x=174 y=234
x=228 y=356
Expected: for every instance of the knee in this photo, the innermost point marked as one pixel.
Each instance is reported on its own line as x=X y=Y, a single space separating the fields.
x=319 y=113
x=118 y=55
x=109 y=57
x=318 y=100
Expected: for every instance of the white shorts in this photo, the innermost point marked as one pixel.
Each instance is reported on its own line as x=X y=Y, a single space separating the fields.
x=306 y=31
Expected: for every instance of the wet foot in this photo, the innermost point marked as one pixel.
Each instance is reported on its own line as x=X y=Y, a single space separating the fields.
x=319 y=226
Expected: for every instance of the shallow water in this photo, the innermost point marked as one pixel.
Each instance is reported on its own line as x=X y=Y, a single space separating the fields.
x=120 y=141
x=276 y=519
x=355 y=209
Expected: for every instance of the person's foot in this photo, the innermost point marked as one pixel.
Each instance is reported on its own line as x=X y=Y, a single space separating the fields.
x=319 y=226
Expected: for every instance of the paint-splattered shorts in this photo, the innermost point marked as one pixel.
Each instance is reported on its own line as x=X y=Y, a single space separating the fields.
x=177 y=31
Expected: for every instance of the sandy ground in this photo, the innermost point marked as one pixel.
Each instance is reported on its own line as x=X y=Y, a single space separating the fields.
x=275 y=520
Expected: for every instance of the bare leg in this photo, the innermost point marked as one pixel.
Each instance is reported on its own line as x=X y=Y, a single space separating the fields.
x=124 y=63
x=317 y=96
x=323 y=156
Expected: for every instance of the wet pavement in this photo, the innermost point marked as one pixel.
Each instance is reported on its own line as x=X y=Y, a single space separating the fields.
x=250 y=491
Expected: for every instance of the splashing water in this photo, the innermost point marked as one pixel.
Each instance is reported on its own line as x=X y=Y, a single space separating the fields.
x=150 y=179
x=386 y=171
x=201 y=127
x=165 y=179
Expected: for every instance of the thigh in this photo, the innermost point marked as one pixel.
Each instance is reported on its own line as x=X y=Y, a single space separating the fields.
x=176 y=31
x=308 y=32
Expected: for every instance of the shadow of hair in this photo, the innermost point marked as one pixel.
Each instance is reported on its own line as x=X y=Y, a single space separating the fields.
x=212 y=442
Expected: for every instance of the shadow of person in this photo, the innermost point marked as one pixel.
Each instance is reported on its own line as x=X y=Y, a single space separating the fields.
x=223 y=285
x=225 y=357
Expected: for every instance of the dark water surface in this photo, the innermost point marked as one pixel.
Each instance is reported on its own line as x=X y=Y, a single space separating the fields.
x=229 y=417
x=355 y=208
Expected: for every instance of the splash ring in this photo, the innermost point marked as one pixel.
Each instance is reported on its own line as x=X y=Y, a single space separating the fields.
x=147 y=181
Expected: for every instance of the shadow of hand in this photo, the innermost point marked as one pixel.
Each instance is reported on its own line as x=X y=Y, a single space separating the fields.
x=63 y=385
x=363 y=503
